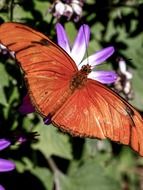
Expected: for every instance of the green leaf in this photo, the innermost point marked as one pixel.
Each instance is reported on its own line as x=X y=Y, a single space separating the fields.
x=89 y=176
x=43 y=174
x=3 y=99
x=45 y=177
x=53 y=142
x=4 y=82
x=93 y=147
x=19 y=14
x=135 y=54
x=43 y=8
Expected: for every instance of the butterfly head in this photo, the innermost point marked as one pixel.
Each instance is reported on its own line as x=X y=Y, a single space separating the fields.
x=86 y=69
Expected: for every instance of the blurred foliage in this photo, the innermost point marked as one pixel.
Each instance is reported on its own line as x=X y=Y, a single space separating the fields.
x=57 y=160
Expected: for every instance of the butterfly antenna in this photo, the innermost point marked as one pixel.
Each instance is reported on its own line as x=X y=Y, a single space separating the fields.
x=11 y=6
x=86 y=44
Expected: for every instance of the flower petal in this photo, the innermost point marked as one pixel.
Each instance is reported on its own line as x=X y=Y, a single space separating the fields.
x=123 y=69
x=105 y=77
x=4 y=143
x=59 y=9
x=2 y=188
x=80 y=44
x=3 y=49
x=98 y=57
x=22 y=139
x=26 y=106
x=62 y=38
x=68 y=11
x=6 y=165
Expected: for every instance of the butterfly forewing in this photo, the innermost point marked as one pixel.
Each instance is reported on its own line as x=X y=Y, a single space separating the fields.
x=47 y=67
x=32 y=47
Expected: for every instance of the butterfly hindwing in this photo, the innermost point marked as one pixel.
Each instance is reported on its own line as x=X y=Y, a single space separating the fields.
x=96 y=111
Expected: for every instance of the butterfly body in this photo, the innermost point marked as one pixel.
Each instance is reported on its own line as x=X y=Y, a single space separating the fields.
x=57 y=89
x=79 y=79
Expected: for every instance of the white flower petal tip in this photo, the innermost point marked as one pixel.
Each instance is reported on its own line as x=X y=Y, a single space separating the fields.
x=123 y=69
x=105 y=77
x=59 y=9
x=80 y=44
x=69 y=9
x=4 y=50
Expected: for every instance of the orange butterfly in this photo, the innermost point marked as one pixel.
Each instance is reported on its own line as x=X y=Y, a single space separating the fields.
x=76 y=104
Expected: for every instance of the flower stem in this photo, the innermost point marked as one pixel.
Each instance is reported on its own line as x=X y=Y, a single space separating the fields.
x=56 y=172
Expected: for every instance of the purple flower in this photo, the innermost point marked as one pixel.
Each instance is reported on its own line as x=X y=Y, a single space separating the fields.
x=2 y=188
x=26 y=106
x=5 y=165
x=80 y=45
